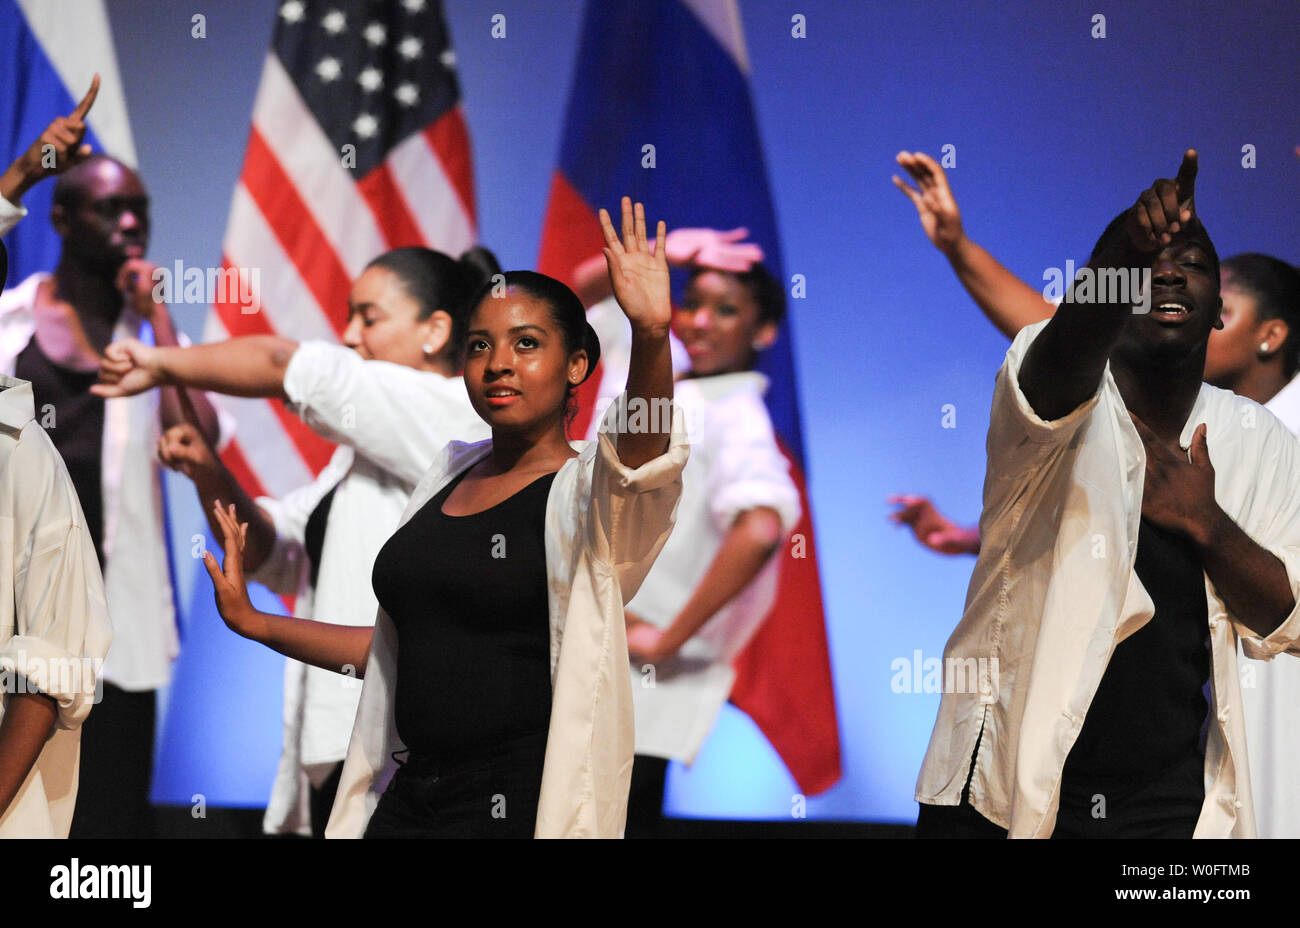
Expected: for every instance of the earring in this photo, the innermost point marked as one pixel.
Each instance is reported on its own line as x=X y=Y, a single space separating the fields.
x=1263 y=347
x=428 y=349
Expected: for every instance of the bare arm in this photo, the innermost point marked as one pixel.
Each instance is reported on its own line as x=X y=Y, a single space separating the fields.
x=182 y=448
x=749 y=544
x=640 y=279
x=251 y=365
x=1178 y=494
x=340 y=648
x=27 y=723
x=59 y=147
x=1008 y=302
x=170 y=411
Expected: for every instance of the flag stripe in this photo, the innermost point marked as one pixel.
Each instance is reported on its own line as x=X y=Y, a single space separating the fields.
x=449 y=138
x=317 y=168
x=443 y=223
x=384 y=196
x=296 y=229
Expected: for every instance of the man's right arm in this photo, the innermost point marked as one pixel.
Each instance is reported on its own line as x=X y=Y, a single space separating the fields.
x=1064 y=365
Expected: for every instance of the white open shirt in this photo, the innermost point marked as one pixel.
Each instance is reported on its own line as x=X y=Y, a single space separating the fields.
x=390 y=422
x=54 y=626
x=605 y=523
x=1045 y=612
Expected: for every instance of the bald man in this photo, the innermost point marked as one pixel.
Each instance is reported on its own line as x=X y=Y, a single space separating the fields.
x=53 y=329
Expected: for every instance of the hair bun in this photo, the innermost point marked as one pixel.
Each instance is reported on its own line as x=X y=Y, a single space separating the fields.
x=479 y=265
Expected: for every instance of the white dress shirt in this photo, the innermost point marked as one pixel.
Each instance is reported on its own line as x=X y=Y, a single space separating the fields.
x=54 y=625
x=1054 y=591
x=1270 y=697
x=605 y=523
x=390 y=422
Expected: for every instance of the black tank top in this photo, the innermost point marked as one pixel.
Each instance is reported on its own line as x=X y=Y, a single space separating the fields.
x=468 y=596
x=1150 y=708
x=73 y=417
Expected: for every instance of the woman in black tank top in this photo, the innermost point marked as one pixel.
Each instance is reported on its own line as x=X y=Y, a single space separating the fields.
x=465 y=579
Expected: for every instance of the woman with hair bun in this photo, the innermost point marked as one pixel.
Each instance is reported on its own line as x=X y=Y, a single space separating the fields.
x=391 y=397
x=495 y=677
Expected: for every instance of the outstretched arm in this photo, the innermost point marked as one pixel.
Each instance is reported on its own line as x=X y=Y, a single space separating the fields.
x=639 y=275
x=1008 y=302
x=340 y=648
x=251 y=365
x=932 y=528
x=1063 y=366
x=746 y=548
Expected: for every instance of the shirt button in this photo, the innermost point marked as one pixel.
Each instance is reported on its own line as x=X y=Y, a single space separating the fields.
x=1237 y=804
x=1223 y=714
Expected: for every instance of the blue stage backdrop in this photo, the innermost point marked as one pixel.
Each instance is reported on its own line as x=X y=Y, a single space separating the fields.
x=1053 y=131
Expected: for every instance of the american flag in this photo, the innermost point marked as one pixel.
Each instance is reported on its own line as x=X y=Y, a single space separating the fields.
x=358 y=145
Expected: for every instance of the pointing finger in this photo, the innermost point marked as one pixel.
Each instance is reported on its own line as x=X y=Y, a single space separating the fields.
x=88 y=100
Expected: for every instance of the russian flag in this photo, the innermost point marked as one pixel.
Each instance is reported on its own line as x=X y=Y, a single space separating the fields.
x=52 y=51
x=660 y=110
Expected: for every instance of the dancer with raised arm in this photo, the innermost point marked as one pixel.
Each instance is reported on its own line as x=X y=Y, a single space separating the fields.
x=494 y=676
x=1084 y=709
x=392 y=397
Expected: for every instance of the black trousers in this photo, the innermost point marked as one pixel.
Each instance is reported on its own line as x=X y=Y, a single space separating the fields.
x=645 y=801
x=116 y=767
x=321 y=800
x=490 y=796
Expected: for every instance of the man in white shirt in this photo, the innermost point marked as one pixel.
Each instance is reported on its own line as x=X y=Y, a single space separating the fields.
x=1106 y=523
x=53 y=328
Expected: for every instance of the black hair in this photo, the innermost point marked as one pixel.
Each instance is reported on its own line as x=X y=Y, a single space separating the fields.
x=438 y=282
x=4 y=265
x=1275 y=287
x=567 y=313
x=1194 y=229
x=765 y=289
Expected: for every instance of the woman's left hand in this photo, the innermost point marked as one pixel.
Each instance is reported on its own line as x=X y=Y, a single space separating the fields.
x=637 y=270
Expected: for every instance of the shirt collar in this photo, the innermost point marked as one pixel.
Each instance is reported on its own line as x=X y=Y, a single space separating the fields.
x=17 y=407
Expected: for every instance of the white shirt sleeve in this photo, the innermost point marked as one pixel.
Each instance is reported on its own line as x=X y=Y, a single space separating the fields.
x=632 y=509
x=1019 y=440
x=1277 y=492
x=61 y=629
x=287 y=566
x=394 y=415
x=746 y=467
x=10 y=214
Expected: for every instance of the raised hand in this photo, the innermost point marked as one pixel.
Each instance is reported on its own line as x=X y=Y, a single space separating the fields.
x=1164 y=208
x=183 y=448
x=58 y=147
x=127 y=368
x=712 y=248
x=931 y=528
x=228 y=580
x=638 y=271
x=932 y=198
